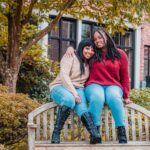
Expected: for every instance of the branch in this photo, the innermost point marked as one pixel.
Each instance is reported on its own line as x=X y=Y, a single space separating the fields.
x=18 y=11
x=43 y=32
x=29 y=12
x=39 y=35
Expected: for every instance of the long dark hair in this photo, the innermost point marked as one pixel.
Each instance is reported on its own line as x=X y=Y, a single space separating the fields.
x=79 y=52
x=112 y=52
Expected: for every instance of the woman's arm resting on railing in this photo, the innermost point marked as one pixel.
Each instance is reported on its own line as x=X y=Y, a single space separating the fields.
x=127 y=101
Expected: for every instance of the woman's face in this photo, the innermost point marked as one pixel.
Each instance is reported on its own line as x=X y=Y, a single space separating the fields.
x=88 y=52
x=99 y=40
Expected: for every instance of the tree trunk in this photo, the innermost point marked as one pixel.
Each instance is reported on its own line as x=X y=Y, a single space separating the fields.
x=13 y=53
x=11 y=79
x=11 y=75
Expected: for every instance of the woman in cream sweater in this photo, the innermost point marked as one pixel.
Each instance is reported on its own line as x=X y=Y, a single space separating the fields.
x=68 y=91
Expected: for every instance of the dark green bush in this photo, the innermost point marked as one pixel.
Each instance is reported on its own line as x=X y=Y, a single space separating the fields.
x=14 y=110
x=141 y=97
x=36 y=73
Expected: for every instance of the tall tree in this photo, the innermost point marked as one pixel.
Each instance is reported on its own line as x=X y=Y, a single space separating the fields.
x=20 y=18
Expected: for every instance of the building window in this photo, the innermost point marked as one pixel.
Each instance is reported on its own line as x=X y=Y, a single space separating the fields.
x=61 y=37
x=88 y=28
x=125 y=42
x=147 y=65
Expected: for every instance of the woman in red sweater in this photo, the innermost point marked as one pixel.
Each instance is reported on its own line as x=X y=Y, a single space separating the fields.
x=108 y=81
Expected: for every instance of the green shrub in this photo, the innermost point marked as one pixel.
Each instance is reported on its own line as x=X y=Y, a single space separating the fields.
x=36 y=73
x=141 y=97
x=14 y=109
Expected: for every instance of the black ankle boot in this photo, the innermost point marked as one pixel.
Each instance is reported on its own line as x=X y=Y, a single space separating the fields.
x=62 y=115
x=122 y=134
x=87 y=120
x=98 y=128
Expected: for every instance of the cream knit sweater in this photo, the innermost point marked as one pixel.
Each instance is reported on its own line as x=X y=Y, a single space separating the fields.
x=69 y=75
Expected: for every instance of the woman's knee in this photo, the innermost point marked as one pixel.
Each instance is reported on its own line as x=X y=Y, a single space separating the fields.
x=63 y=97
x=97 y=99
x=114 y=93
x=95 y=93
x=68 y=101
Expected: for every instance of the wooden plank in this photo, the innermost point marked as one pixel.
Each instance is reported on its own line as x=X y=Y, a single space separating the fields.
x=86 y=146
x=101 y=128
x=139 y=108
x=39 y=110
x=106 y=123
x=72 y=125
x=79 y=129
x=113 y=129
x=45 y=125
x=146 y=128
x=140 y=126
x=127 y=123
x=38 y=127
x=51 y=121
x=31 y=138
x=135 y=144
x=66 y=131
x=133 y=125
x=32 y=125
x=86 y=134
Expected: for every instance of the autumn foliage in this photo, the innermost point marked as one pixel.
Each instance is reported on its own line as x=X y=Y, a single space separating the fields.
x=14 y=109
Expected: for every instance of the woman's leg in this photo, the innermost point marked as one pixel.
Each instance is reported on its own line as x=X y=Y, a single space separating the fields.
x=62 y=96
x=115 y=102
x=81 y=107
x=82 y=110
x=96 y=98
x=66 y=101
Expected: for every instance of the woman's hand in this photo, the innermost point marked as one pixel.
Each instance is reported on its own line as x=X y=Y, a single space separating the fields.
x=70 y=51
x=127 y=101
x=77 y=99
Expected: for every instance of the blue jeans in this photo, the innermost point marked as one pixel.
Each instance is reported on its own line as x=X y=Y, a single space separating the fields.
x=97 y=95
x=64 y=98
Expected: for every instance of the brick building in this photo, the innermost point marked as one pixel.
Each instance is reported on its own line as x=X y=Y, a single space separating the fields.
x=136 y=43
x=145 y=54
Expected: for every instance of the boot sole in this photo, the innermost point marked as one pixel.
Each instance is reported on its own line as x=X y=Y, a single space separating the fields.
x=55 y=142
x=96 y=141
x=123 y=142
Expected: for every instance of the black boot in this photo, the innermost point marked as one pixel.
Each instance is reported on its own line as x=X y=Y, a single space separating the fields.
x=122 y=134
x=87 y=120
x=98 y=128
x=62 y=115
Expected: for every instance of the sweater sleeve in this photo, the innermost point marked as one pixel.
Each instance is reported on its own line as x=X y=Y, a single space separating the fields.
x=65 y=70
x=124 y=74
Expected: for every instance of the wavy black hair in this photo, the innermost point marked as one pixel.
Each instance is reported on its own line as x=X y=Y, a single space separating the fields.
x=79 y=52
x=112 y=52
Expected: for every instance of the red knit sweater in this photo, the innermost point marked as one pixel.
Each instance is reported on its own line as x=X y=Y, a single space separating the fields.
x=107 y=73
